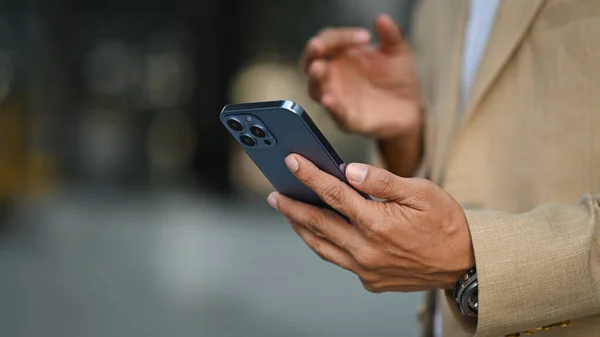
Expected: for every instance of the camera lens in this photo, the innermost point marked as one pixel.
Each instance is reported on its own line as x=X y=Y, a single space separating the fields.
x=258 y=131
x=235 y=125
x=247 y=140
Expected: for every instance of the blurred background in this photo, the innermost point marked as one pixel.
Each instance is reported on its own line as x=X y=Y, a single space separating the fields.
x=126 y=209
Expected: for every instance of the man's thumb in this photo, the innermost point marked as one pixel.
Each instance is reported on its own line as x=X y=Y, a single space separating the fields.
x=390 y=36
x=376 y=182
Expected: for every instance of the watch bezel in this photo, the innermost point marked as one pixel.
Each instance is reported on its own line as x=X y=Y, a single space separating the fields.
x=466 y=294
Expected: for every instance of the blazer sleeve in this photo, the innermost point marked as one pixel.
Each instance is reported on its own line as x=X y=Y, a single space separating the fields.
x=535 y=269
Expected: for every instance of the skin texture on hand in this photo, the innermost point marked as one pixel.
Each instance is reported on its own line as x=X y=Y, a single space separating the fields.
x=369 y=89
x=416 y=240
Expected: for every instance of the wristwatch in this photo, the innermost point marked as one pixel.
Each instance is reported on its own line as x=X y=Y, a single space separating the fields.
x=466 y=294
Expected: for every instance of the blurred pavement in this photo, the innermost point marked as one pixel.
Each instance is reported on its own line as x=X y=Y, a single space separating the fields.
x=112 y=263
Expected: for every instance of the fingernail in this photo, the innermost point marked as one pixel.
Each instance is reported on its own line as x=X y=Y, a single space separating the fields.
x=291 y=163
x=272 y=200
x=362 y=36
x=357 y=172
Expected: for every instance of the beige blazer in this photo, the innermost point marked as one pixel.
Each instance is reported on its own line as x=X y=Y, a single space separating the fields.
x=524 y=157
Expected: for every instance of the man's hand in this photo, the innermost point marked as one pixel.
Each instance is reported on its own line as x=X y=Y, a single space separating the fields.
x=370 y=90
x=416 y=240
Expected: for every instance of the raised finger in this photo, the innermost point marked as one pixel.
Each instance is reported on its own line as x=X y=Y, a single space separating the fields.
x=331 y=41
x=339 y=39
x=316 y=77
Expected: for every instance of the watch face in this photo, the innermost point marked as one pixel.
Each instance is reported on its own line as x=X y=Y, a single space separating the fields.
x=474 y=300
x=466 y=294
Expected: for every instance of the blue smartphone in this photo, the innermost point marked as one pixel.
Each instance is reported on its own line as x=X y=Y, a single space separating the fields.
x=270 y=131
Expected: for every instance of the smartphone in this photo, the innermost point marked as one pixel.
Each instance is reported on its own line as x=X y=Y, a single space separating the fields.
x=270 y=131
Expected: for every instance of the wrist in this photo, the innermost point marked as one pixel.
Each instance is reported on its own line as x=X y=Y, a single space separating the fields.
x=409 y=125
x=402 y=153
x=456 y=276
x=464 y=253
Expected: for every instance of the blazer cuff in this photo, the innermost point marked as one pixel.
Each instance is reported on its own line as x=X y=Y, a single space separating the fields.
x=536 y=269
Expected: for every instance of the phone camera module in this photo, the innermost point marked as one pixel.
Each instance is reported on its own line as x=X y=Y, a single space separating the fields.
x=235 y=125
x=258 y=131
x=247 y=140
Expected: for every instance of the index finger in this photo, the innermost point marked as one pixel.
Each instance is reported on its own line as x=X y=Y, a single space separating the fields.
x=330 y=189
x=331 y=41
x=338 y=39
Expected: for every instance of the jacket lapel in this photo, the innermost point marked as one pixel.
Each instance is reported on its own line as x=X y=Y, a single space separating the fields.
x=513 y=20
x=448 y=24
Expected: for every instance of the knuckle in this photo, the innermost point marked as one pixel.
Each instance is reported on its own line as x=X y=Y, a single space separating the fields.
x=368 y=258
x=333 y=195
x=284 y=208
x=345 y=264
x=423 y=190
x=368 y=276
x=315 y=222
x=381 y=229
x=308 y=177
x=386 y=225
x=367 y=222
x=383 y=184
x=372 y=287
x=318 y=248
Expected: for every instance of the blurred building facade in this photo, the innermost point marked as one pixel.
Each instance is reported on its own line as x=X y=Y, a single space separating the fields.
x=122 y=183
x=127 y=93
